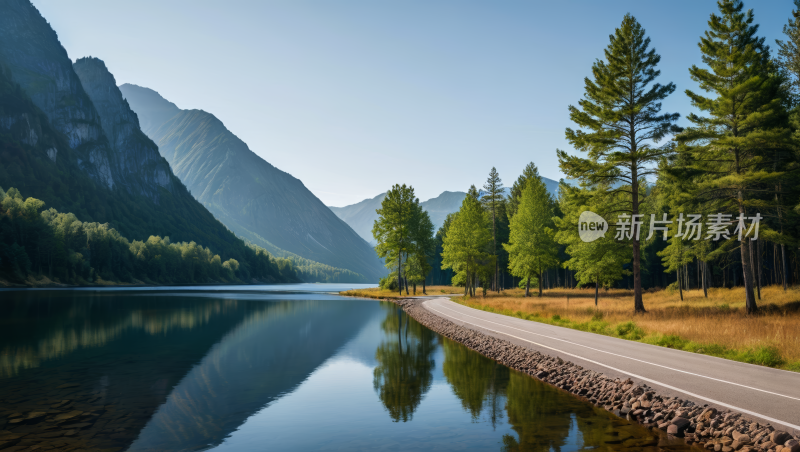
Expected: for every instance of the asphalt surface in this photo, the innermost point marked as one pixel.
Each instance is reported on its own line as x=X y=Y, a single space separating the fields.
x=758 y=392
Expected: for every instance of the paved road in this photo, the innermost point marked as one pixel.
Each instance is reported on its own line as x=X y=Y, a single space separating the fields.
x=762 y=393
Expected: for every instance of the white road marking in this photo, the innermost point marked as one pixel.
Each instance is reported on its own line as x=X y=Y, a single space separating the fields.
x=742 y=410
x=626 y=357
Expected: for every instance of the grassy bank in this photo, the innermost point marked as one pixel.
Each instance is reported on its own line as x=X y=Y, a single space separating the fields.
x=715 y=326
x=378 y=293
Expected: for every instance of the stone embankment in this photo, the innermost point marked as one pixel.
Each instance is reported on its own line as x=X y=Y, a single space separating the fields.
x=700 y=425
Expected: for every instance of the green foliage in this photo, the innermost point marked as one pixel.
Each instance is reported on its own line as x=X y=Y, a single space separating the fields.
x=629 y=330
x=729 y=155
x=532 y=248
x=601 y=262
x=492 y=201
x=789 y=50
x=61 y=247
x=404 y=230
x=621 y=120
x=465 y=247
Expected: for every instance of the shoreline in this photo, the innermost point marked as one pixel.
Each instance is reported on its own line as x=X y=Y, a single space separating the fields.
x=697 y=424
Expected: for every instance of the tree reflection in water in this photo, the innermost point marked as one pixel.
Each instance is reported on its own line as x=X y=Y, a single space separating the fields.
x=405 y=364
x=476 y=380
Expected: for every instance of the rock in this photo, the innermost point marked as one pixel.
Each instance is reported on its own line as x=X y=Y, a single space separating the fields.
x=681 y=423
x=672 y=429
x=51 y=434
x=708 y=413
x=69 y=415
x=36 y=415
x=791 y=446
x=779 y=437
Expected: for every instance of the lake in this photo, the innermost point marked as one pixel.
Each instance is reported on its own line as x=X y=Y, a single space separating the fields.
x=284 y=367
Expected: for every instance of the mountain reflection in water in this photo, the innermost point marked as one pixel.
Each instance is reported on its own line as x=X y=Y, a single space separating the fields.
x=173 y=371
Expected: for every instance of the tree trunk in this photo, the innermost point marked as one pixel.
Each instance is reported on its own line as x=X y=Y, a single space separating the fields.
x=541 y=283
x=754 y=267
x=399 y=273
x=680 y=283
x=705 y=279
x=784 y=272
x=638 y=304
x=423 y=288
x=596 y=290
x=750 y=300
x=528 y=287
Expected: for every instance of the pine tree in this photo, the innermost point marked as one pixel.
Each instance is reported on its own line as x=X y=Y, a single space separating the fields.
x=492 y=199
x=515 y=194
x=789 y=62
x=468 y=236
x=730 y=153
x=789 y=50
x=392 y=230
x=600 y=262
x=621 y=112
x=532 y=248
x=424 y=246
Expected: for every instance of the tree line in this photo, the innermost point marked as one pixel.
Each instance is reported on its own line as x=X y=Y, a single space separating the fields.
x=735 y=165
x=37 y=242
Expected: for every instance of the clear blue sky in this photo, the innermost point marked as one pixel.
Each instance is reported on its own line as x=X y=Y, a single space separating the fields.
x=354 y=96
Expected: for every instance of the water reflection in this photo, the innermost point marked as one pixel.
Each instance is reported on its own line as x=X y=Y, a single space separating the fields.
x=264 y=356
x=405 y=365
x=477 y=381
x=248 y=371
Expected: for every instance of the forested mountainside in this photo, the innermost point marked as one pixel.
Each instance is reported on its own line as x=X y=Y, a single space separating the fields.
x=54 y=146
x=361 y=215
x=59 y=246
x=257 y=201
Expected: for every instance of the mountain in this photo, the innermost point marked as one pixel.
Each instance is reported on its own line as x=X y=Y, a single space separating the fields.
x=257 y=201
x=361 y=215
x=71 y=141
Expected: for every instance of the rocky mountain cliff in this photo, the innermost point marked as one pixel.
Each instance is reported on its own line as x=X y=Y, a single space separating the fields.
x=30 y=50
x=92 y=160
x=267 y=206
x=134 y=153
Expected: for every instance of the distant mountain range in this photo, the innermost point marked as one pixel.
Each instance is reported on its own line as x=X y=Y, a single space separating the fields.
x=361 y=215
x=257 y=201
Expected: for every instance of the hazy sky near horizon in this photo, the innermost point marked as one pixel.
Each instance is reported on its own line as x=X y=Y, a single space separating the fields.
x=353 y=96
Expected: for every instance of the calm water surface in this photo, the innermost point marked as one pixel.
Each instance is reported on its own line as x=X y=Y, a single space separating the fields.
x=267 y=368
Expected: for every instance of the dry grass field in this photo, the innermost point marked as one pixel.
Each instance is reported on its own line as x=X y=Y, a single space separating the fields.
x=716 y=325
x=377 y=292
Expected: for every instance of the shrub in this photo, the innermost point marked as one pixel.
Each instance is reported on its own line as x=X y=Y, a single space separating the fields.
x=629 y=330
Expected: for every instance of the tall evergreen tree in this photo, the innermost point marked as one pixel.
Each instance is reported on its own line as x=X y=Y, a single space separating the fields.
x=466 y=242
x=393 y=228
x=515 y=194
x=424 y=246
x=492 y=199
x=621 y=115
x=730 y=152
x=532 y=248
x=789 y=50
